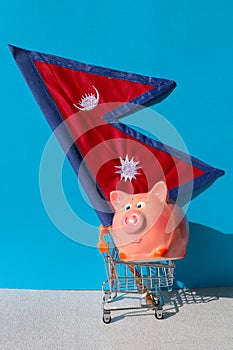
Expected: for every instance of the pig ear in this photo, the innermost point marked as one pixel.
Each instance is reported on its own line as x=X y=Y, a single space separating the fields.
x=119 y=199
x=160 y=191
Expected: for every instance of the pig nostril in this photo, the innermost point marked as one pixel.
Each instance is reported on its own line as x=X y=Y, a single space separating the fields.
x=131 y=219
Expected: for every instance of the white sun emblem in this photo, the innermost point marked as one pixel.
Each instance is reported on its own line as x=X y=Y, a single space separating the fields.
x=88 y=101
x=128 y=168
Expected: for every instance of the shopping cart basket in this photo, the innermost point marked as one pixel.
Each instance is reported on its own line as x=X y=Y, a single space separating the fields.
x=147 y=279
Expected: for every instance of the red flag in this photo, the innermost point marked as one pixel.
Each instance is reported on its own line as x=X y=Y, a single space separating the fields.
x=88 y=102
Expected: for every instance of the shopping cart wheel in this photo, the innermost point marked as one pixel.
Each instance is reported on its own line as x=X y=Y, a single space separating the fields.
x=159 y=313
x=107 y=317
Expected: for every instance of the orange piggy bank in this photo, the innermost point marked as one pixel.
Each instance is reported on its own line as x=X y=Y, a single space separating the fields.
x=146 y=228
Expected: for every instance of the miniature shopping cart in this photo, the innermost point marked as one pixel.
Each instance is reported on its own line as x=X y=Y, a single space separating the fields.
x=148 y=279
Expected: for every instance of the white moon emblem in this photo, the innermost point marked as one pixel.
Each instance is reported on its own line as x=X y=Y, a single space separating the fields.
x=88 y=101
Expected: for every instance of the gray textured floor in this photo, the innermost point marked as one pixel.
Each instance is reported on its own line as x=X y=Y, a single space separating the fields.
x=66 y=320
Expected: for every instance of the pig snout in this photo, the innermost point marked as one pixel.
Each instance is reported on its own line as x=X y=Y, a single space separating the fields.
x=134 y=222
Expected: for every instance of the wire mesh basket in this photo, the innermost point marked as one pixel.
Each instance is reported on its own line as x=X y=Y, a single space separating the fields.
x=147 y=279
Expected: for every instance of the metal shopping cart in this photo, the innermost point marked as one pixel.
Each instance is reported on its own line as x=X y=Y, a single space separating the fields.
x=147 y=279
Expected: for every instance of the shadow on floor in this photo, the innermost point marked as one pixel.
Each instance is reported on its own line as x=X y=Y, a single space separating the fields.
x=175 y=300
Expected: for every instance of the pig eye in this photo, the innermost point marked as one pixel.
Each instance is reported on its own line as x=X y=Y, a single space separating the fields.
x=128 y=206
x=140 y=205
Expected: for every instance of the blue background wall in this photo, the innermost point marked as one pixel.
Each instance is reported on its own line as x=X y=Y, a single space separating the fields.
x=190 y=42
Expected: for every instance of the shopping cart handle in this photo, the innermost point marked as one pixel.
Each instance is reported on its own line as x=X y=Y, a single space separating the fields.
x=102 y=245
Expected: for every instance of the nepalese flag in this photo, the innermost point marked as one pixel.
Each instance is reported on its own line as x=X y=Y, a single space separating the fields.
x=83 y=104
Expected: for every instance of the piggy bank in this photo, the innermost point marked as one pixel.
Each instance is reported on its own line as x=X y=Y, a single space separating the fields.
x=146 y=227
